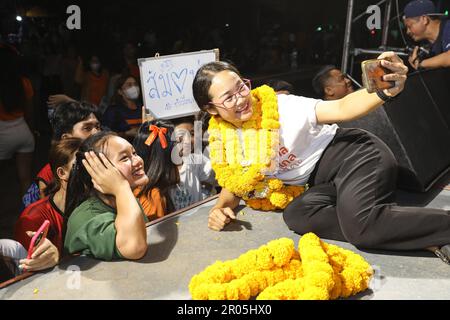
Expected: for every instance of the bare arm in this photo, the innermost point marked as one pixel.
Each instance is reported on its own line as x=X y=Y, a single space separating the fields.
x=227 y=199
x=360 y=103
x=131 y=238
x=440 y=61
x=55 y=100
x=352 y=106
x=222 y=213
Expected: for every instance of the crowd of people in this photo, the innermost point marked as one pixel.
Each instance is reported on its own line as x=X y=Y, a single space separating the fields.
x=110 y=170
x=141 y=151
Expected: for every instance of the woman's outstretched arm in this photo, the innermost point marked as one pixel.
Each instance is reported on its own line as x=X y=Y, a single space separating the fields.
x=360 y=103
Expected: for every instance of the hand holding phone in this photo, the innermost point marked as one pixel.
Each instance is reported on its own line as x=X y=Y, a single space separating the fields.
x=38 y=238
x=372 y=76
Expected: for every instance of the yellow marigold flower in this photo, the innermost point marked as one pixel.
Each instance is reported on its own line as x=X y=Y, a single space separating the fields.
x=293 y=270
x=259 y=277
x=244 y=289
x=270 y=278
x=324 y=272
x=253 y=283
x=279 y=199
x=295 y=191
x=201 y=292
x=314 y=293
x=260 y=186
x=296 y=255
x=233 y=290
x=336 y=291
x=286 y=290
x=282 y=251
x=254 y=203
x=269 y=123
x=275 y=184
x=320 y=279
x=278 y=275
x=195 y=281
x=266 y=205
x=264 y=259
x=217 y=291
x=277 y=292
x=245 y=263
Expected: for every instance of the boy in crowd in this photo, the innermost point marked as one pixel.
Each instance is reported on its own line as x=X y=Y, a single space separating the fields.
x=72 y=119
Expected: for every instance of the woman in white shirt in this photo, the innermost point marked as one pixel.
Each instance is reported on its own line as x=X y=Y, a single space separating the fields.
x=351 y=173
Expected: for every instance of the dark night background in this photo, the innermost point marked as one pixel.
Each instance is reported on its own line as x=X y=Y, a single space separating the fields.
x=257 y=35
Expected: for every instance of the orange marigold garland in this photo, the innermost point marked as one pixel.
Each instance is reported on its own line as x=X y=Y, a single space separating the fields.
x=275 y=271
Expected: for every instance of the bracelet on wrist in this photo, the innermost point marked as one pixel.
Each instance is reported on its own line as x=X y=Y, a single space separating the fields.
x=383 y=96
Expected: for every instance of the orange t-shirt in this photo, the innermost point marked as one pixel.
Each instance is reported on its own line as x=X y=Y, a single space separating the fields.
x=96 y=87
x=154 y=207
x=16 y=114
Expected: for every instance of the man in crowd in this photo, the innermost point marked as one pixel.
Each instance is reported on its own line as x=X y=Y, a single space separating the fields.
x=424 y=24
x=331 y=84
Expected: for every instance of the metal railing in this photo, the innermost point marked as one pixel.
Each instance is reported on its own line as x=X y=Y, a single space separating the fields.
x=351 y=53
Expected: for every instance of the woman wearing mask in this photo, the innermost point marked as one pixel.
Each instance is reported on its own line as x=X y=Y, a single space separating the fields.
x=93 y=81
x=124 y=115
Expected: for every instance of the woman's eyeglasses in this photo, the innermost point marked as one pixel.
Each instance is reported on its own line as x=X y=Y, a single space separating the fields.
x=231 y=101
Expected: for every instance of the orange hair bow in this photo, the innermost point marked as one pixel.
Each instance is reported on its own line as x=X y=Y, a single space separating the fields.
x=160 y=132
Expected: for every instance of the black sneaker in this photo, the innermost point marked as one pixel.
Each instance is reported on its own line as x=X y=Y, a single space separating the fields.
x=443 y=253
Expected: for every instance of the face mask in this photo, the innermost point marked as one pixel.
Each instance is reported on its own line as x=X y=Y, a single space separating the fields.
x=95 y=66
x=132 y=92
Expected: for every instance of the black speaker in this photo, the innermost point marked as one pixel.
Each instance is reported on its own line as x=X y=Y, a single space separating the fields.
x=416 y=127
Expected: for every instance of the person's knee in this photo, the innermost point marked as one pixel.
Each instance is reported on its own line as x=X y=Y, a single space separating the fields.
x=299 y=214
x=360 y=239
x=295 y=217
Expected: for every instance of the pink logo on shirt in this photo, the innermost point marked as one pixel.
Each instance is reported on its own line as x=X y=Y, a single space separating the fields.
x=290 y=162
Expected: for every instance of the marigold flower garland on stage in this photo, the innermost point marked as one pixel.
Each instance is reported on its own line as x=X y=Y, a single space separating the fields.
x=318 y=271
x=241 y=157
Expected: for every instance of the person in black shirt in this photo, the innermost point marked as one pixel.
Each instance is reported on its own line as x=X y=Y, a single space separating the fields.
x=423 y=23
x=124 y=116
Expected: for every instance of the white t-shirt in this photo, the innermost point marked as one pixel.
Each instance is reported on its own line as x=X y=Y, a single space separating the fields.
x=302 y=140
x=195 y=170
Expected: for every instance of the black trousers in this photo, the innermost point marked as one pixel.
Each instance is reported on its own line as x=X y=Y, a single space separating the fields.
x=351 y=198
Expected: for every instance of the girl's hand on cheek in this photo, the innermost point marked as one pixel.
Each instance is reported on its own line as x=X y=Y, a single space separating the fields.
x=105 y=177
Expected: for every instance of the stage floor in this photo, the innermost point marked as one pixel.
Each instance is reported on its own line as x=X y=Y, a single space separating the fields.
x=182 y=246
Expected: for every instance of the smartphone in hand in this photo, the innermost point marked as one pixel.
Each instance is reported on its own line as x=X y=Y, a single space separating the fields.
x=38 y=238
x=372 y=76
